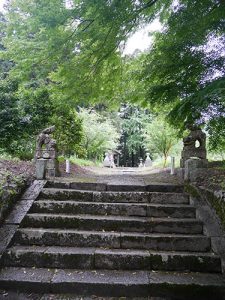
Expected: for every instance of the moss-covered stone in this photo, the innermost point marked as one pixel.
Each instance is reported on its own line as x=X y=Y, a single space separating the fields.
x=11 y=189
x=219 y=206
x=216 y=203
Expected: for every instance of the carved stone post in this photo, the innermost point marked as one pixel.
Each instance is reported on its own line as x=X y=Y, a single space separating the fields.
x=194 y=146
x=193 y=156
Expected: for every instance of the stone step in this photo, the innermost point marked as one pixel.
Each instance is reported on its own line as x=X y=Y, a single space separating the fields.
x=88 y=186
x=115 y=259
x=122 y=209
x=157 y=187
x=115 y=283
x=128 y=240
x=113 y=223
x=95 y=186
x=131 y=197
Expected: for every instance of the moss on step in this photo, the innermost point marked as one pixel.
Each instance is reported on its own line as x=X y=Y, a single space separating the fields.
x=82 y=179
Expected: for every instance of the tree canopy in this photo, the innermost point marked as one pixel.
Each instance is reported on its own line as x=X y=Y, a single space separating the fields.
x=161 y=139
x=76 y=47
x=100 y=135
x=184 y=71
x=71 y=52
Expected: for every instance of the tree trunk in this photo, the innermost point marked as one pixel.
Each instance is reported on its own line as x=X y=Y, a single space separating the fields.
x=165 y=160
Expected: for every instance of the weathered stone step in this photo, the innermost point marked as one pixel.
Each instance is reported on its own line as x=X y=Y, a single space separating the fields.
x=131 y=197
x=115 y=283
x=95 y=186
x=88 y=186
x=78 y=238
x=115 y=259
x=115 y=223
x=122 y=209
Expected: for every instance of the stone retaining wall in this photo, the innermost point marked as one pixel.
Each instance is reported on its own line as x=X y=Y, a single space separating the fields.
x=210 y=209
x=216 y=199
x=10 y=192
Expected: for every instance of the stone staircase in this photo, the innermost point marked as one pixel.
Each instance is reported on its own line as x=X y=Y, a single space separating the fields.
x=110 y=240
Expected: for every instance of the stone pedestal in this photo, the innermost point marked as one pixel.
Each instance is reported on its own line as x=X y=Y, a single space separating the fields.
x=204 y=162
x=46 y=167
x=40 y=168
x=193 y=169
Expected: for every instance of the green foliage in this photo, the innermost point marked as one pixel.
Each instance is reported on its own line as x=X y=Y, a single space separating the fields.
x=68 y=133
x=77 y=47
x=22 y=115
x=6 y=156
x=160 y=138
x=52 y=55
x=133 y=129
x=9 y=114
x=216 y=130
x=134 y=121
x=37 y=108
x=184 y=71
x=84 y=162
x=132 y=90
x=23 y=112
x=99 y=134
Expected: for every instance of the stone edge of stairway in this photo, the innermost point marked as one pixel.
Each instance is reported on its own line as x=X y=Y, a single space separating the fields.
x=15 y=217
x=101 y=187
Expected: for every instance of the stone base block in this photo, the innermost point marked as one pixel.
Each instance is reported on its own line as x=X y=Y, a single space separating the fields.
x=194 y=167
x=40 y=168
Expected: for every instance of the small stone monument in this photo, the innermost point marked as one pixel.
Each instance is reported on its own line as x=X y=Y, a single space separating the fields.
x=172 y=165
x=46 y=163
x=194 y=146
x=148 y=161
x=141 y=163
x=108 y=161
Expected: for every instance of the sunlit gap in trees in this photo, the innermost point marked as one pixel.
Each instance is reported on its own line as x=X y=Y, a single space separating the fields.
x=2 y=3
x=69 y=4
x=141 y=40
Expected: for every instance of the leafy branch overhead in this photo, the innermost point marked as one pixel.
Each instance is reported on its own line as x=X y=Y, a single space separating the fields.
x=74 y=47
x=52 y=55
x=184 y=71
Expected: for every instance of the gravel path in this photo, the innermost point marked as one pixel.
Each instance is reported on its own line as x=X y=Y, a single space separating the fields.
x=138 y=176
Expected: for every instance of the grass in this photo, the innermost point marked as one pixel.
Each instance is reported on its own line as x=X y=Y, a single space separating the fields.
x=5 y=156
x=81 y=162
x=158 y=162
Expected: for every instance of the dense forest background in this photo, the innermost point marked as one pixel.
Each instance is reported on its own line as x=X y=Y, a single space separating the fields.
x=63 y=63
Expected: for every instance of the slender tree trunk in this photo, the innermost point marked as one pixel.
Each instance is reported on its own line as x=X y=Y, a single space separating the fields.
x=165 y=159
x=132 y=159
x=166 y=154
